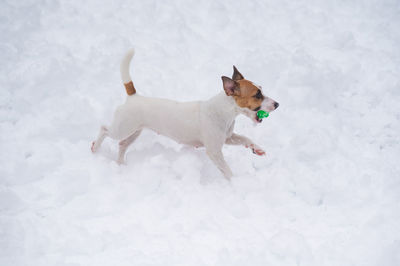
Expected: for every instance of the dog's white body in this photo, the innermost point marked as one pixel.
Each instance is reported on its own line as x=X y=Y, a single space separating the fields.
x=199 y=123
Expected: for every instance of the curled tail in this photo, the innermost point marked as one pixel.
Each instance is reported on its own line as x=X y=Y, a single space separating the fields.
x=126 y=78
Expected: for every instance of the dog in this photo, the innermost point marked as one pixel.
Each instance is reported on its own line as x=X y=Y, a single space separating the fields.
x=206 y=124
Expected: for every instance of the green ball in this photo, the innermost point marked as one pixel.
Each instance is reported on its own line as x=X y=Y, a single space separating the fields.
x=262 y=114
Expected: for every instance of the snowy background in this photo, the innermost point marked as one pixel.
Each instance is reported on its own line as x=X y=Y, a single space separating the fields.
x=327 y=193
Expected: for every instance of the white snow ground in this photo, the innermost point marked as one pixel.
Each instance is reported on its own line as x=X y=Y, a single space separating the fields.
x=328 y=192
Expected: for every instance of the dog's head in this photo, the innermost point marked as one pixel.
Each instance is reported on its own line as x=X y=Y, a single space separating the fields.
x=248 y=96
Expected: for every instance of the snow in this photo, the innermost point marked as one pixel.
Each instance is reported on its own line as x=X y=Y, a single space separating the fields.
x=327 y=193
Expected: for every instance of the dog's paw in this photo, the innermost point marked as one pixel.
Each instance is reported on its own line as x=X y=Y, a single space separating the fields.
x=121 y=162
x=93 y=148
x=257 y=150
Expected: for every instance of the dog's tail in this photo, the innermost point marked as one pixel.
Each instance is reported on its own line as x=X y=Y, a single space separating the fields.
x=126 y=78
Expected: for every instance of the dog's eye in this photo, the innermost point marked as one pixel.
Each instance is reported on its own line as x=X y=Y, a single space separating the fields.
x=258 y=95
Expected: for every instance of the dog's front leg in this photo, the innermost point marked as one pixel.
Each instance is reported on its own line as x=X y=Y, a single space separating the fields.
x=236 y=139
x=218 y=158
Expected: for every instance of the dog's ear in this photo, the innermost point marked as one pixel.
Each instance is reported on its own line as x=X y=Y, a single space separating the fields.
x=231 y=87
x=236 y=74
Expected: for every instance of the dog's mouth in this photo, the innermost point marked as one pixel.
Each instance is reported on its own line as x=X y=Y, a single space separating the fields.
x=258 y=120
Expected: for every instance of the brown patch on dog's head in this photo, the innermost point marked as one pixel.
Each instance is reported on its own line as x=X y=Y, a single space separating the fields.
x=250 y=95
x=245 y=93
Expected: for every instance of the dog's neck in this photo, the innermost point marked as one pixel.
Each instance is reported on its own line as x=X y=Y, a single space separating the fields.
x=223 y=107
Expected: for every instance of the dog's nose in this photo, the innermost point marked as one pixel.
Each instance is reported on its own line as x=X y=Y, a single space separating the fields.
x=276 y=105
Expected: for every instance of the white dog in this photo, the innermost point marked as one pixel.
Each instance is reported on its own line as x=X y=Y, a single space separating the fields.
x=200 y=123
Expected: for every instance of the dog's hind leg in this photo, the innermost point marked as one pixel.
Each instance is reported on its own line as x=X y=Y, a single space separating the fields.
x=97 y=143
x=124 y=144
